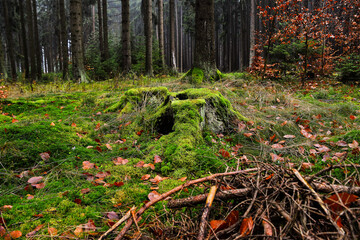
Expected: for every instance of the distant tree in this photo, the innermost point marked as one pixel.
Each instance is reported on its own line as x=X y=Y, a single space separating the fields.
x=105 y=30
x=64 y=39
x=101 y=41
x=161 y=32
x=9 y=39
x=31 y=40
x=23 y=38
x=126 y=41
x=36 y=41
x=172 y=35
x=147 y=6
x=77 y=40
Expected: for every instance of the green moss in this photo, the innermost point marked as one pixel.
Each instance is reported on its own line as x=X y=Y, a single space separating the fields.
x=4 y=119
x=197 y=76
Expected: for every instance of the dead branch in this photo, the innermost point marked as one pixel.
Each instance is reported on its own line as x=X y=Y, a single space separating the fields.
x=193 y=200
x=206 y=212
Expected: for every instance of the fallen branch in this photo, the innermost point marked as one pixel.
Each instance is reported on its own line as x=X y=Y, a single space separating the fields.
x=193 y=200
x=167 y=194
x=328 y=188
x=118 y=223
x=206 y=212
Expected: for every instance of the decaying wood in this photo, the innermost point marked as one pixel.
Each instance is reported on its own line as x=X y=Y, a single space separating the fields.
x=194 y=200
x=169 y=193
x=204 y=217
x=328 y=188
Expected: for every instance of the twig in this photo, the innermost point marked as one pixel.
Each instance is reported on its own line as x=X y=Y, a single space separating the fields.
x=206 y=212
x=167 y=194
x=320 y=201
x=193 y=200
x=123 y=219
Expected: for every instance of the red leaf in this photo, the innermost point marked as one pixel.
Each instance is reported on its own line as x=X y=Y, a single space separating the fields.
x=246 y=226
x=248 y=134
x=334 y=202
x=97 y=127
x=98 y=149
x=16 y=234
x=88 y=165
x=140 y=164
x=218 y=225
x=73 y=125
x=2 y=231
x=118 y=184
x=14 y=120
x=272 y=137
x=90 y=226
x=52 y=231
x=150 y=165
x=40 y=185
x=145 y=177
x=224 y=153
x=29 y=196
x=157 y=159
x=77 y=200
x=35 y=180
x=352 y=117
x=103 y=174
x=232 y=218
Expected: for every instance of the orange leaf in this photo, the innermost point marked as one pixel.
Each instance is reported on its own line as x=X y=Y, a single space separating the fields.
x=153 y=195
x=85 y=190
x=32 y=233
x=16 y=234
x=224 y=153
x=218 y=225
x=248 y=134
x=269 y=177
x=334 y=202
x=272 y=137
x=6 y=207
x=14 y=120
x=246 y=226
x=52 y=231
x=120 y=161
x=2 y=231
x=352 y=117
x=88 y=165
x=232 y=218
x=145 y=177
x=109 y=146
x=157 y=159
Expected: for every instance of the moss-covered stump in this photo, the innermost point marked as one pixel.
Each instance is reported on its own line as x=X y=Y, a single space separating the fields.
x=181 y=118
x=197 y=76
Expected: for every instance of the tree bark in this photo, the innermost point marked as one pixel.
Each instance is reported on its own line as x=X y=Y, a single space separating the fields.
x=161 y=33
x=172 y=36
x=148 y=36
x=9 y=40
x=31 y=40
x=77 y=40
x=204 y=58
x=126 y=41
x=252 y=31
x=105 y=30
x=64 y=40
x=24 y=42
x=37 y=42
x=101 y=42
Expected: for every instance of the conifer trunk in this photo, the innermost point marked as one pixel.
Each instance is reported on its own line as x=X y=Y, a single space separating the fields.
x=172 y=36
x=126 y=41
x=148 y=36
x=105 y=30
x=24 y=42
x=101 y=42
x=161 y=33
x=31 y=40
x=64 y=40
x=9 y=40
x=37 y=42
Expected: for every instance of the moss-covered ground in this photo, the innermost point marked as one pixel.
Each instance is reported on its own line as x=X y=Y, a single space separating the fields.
x=98 y=152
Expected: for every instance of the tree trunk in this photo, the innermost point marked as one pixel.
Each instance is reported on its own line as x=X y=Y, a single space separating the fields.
x=2 y=62
x=105 y=30
x=101 y=42
x=37 y=42
x=76 y=40
x=31 y=41
x=148 y=36
x=125 y=13
x=23 y=35
x=64 y=40
x=172 y=36
x=161 y=33
x=204 y=58
x=9 y=40
x=252 y=31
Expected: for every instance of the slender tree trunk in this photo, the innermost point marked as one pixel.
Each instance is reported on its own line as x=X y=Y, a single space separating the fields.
x=181 y=37
x=93 y=15
x=101 y=42
x=24 y=42
x=252 y=31
x=172 y=36
x=64 y=40
x=9 y=40
x=161 y=33
x=37 y=42
x=77 y=40
x=126 y=41
x=105 y=29
x=31 y=40
x=148 y=36
x=205 y=36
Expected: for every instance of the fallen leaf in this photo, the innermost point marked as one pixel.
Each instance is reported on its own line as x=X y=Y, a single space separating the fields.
x=73 y=125
x=16 y=234
x=306 y=165
x=109 y=146
x=269 y=177
x=103 y=174
x=267 y=227
x=145 y=177
x=140 y=164
x=2 y=231
x=120 y=161
x=77 y=201
x=85 y=190
x=334 y=202
x=354 y=144
x=157 y=159
x=289 y=136
x=322 y=148
x=98 y=149
x=157 y=179
x=277 y=146
x=248 y=134
x=14 y=120
x=352 y=117
x=6 y=207
x=218 y=225
x=150 y=165
x=97 y=127
x=35 y=180
x=118 y=184
x=232 y=218
x=52 y=231
x=224 y=153
x=29 y=196
x=88 y=165
x=45 y=156
x=39 y=185
x=153 y=195
x=183 y=179
x=112 y=215
x=78 y=231
x=246 y=226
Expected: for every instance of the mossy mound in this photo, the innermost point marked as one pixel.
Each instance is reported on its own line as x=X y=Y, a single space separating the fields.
x=197 y=76
x=181 y=118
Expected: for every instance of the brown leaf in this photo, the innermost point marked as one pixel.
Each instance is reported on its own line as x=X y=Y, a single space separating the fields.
x=88 y=165
x=150 y=165
x=120 y=161
x=232 y=218
x=29 y=196
x=289 y=136
x=248 y=134
x=157 y=179
x=322 y=148
x=39 y=185
x=354 y=144
x=306 y=165
x=45 y=156
x=90 y=226
x=183 y=179
x=2 y=231
x=157 y=159
x=52 y=231
x=77 y=200
x=73 y=125
x=103 y=174
x=140 y=164
x=218 y=225
x=267 y=227
x=109 y=146
x=277 y=146
x=334 y=202
x=224 y=153
x=16 y=234
x=85 y=190
x=35 y=180
x=145 y=177
x=78 y=231
x=112 y=215
x=246 y=226
x=153 y=195
x=6 y=207
x=118 y=184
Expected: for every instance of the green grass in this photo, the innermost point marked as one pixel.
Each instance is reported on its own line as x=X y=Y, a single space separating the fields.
x=70 y=122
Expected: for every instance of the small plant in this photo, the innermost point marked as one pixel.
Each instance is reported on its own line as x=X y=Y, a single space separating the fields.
x=349 y=68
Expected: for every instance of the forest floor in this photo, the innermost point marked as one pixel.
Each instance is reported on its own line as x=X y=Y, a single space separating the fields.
x=70 y=168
